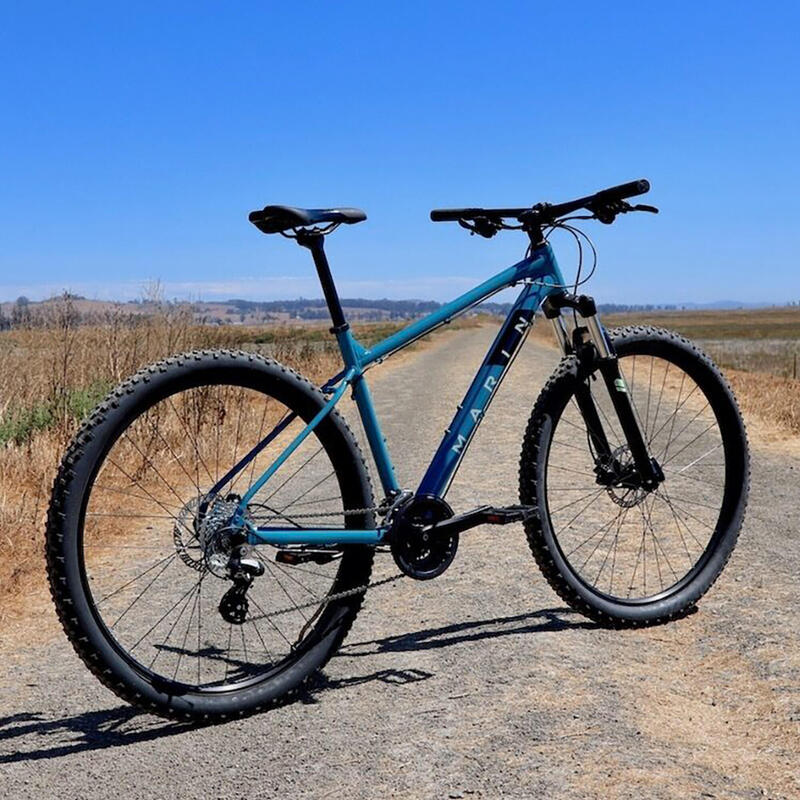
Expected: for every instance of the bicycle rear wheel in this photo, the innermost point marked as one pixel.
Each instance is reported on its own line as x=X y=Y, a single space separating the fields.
x=137 y=564
x=622 y=555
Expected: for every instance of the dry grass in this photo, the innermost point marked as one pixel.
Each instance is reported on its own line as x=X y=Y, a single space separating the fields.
x=52 y=376
x=761 y=323
x=763 y=340
x=756 y=349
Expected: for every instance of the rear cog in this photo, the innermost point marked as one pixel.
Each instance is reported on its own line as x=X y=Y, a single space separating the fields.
x=419 y=552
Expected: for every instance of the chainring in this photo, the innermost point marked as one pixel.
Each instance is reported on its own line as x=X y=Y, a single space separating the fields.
x=418 y=552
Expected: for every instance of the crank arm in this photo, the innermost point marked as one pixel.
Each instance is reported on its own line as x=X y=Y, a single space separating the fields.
x=484 y=515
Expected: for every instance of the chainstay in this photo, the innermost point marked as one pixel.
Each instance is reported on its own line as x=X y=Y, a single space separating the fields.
x=321 y=602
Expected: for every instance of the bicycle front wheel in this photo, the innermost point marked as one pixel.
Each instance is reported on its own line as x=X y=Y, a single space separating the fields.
x=138 y=549
x=624 y=555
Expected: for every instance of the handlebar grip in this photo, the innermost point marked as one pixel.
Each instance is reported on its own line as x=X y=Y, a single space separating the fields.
x=453 y=214
x=624 y=190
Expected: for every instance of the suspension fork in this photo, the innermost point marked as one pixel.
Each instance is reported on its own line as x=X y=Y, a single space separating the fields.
x=591 y=342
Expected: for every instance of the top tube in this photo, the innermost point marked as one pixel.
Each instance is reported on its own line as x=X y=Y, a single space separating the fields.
x=541 y=264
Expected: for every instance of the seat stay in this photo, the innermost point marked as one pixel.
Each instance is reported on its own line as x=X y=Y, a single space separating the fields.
x=241 y=510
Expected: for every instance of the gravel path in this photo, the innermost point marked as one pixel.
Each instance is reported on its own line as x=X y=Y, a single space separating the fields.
x=478 y=684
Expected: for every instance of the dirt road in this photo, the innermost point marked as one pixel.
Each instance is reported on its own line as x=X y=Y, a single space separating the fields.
x=478 y=684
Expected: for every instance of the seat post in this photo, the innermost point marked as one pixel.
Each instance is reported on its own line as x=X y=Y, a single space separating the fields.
x=315 y=242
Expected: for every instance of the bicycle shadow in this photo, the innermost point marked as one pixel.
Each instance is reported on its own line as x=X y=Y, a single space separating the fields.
x=124 y=725
x=543 y=621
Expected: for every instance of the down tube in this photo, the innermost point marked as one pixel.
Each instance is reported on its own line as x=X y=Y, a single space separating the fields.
x=472 y=409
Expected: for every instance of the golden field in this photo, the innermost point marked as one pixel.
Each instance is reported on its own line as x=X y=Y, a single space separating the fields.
x=757 y=350
x=53 y=374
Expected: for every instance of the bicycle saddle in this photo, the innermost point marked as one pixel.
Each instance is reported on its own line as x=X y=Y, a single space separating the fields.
x=274 y=219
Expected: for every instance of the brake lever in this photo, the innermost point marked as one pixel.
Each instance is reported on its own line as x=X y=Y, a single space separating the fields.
x=608 y=212
x=480 y=225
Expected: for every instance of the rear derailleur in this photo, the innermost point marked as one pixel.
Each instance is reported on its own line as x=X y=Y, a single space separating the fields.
x=243 y=568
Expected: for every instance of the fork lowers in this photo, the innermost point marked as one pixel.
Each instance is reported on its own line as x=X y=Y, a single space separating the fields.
x=590 y=344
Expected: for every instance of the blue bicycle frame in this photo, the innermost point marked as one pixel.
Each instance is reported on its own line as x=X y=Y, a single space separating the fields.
x=540 y=276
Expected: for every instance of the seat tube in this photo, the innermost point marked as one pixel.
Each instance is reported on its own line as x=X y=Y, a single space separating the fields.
x=351 y=353
x=315 y=242
x=372 y=428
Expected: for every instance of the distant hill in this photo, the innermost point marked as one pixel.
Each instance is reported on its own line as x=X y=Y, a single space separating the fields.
x=237 y=311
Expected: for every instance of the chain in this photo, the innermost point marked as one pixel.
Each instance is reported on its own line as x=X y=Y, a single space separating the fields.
x=322 y=602
x=330 y=598
x=347 y=513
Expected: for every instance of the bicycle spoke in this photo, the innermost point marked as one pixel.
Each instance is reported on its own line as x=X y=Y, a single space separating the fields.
x=593 y=494
x=674 y=415
x=658 y=406
x=601 y=540
x=620 y=521
x=159 y=648
x=142 y=593
x=704 y=482
x=308 y=491
x=124 y=492
x=163 y=617
x=258 y=439
x=286 y=570
x=193 y=441
x=578 y=514
x=186 y=634
x=675 y=455
x=152 y=526
x=589 y=538
x=133 y=580
x=681 y=514
x=671 y=417
x=293 y=475
x=636 y=555
x=269 y=619
x=157 y=502
x=284 y=590
x=649 y=390
x=682 y=430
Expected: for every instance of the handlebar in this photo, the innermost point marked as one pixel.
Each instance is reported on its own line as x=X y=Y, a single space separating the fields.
x=544 y=212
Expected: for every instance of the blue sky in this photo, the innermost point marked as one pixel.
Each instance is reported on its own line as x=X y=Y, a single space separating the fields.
x=135 y=138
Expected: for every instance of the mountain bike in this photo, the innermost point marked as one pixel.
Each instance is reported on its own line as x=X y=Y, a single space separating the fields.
x=213 y=525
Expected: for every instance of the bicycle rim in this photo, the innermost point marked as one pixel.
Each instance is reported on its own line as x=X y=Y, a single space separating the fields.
x=144 y=554
x=629 y=545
